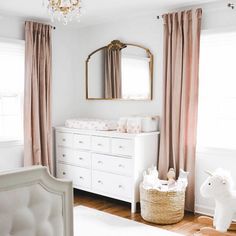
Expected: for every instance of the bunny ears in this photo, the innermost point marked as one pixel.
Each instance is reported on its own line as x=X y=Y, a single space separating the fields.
x=224 y=175
x=208 y=172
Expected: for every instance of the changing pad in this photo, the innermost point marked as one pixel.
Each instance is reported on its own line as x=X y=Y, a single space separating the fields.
x=91 y=124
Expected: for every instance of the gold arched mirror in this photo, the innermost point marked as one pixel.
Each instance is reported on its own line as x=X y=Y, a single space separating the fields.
x=119 y=71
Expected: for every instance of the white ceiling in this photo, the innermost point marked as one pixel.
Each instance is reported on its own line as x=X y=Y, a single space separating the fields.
x=96 y=11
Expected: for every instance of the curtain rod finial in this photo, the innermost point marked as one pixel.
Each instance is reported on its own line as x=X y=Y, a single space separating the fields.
x=231 y=5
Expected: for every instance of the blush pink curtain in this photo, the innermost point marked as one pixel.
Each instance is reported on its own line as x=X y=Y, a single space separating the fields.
x=179 y=120
x=37 y=99
x=113 y=73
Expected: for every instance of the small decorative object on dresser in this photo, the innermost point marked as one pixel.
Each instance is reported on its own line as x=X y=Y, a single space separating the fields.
x=138 y=124
x=122 y=125
x=108 y=163
x=134 y=125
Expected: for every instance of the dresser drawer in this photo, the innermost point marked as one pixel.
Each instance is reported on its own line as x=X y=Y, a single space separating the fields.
x=82 y=141
x=65 y=172
x=64 y=139
x=100 y=144
x=116 y=165
x=112 y=185
x=122 y=146
x=65 y=154
x=82 y=159
x=81 y=177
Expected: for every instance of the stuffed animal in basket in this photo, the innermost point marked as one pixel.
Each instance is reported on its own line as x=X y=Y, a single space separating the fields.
x=183 y=179
x=171 y=176
x=219 y=186
x=150 y=178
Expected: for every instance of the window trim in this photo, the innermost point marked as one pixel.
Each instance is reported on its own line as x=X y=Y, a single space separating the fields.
x=215 y=151
x=12 y=40
x=11 y=143
x=218 y=30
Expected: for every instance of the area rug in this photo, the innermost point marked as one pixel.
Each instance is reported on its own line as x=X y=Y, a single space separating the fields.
x=91 y=222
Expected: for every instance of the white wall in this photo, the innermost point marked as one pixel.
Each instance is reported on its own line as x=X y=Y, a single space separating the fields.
x=65 y=75
x=146 y=31
x=63 y=85
x=11 y=28
x=11 y=155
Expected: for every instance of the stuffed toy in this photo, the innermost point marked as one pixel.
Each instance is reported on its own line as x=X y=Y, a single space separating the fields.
x=150 y=178
x=171 y=178
x=219 y=186
x=182 y=181
x=171 y=175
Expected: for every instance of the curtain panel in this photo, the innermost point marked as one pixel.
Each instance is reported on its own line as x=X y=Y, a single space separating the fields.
x=113 y=73
x=180 y=102
x=37 y=98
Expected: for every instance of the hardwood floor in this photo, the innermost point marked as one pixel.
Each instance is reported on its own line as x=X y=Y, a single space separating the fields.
x=188 y=226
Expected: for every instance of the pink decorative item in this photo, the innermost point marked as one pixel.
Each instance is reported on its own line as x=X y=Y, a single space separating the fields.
x=134 y=125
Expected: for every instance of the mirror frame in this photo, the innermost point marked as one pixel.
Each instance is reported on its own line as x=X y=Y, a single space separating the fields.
x=118 y=43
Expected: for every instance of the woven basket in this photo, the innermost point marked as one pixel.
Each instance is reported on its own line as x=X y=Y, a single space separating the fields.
x=162 y=207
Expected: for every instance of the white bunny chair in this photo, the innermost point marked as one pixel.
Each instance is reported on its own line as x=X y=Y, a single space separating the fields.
x=33 y=203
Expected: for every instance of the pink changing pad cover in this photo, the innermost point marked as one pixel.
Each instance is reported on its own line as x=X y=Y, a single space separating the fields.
x=91 y=124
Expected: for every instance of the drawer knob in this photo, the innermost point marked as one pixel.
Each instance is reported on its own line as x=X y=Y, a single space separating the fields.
x=120 y=147
x=63 y=139
x=81 y=177
x=100 y=162
x=121 y=166
x=120 y=186
x=64 y=173
x=99 y=144
x=64 y=155
x=81 y=142
x=81 y=158
x=100 y=182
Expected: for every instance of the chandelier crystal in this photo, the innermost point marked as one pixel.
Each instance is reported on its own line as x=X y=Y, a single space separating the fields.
x=64 y=10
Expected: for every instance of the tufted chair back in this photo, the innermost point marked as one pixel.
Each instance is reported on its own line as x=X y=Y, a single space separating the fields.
x=32 y=203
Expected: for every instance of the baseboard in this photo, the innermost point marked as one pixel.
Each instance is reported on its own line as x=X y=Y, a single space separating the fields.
x=205 y=210
x=201 y=209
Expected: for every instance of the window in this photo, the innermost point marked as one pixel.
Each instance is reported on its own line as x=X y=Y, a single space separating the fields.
x=135 y=77
x=11 y=90
x=217 y=92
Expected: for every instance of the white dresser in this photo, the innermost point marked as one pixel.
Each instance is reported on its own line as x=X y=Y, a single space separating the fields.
x=105 y=162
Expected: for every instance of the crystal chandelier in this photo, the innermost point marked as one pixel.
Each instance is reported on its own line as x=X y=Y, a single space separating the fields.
x=64 y=10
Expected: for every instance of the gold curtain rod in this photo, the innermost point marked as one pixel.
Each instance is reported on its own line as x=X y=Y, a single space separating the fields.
x=229 y=5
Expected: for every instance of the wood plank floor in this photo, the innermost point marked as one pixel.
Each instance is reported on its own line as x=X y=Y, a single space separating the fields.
x=188 y=226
